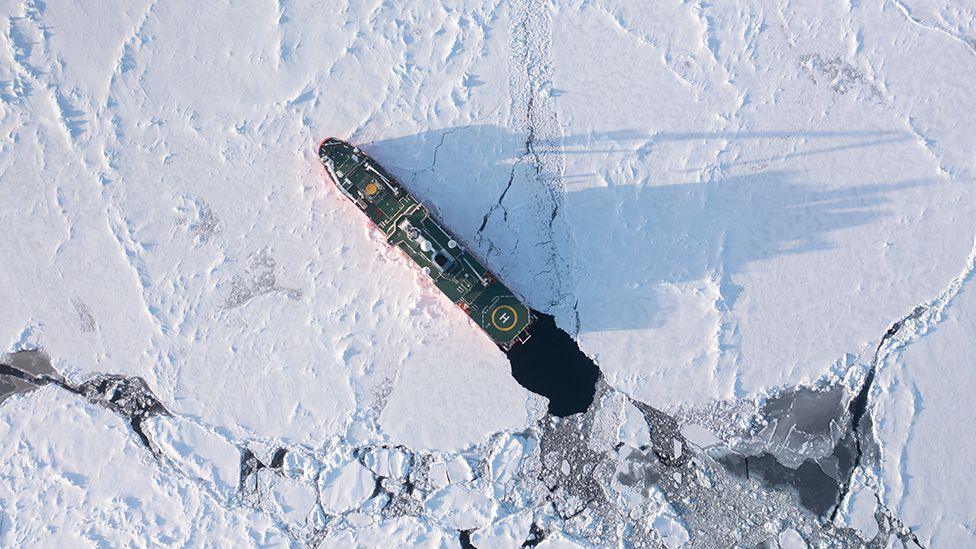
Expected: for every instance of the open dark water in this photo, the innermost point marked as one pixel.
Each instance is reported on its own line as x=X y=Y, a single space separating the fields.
x=551 y=364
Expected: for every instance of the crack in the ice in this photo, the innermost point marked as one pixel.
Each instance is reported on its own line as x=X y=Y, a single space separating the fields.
x=970 y=43
x=433 y=162
x=883 y=514
x=576 y=315
x=128 y=397
x=537 y=161
x=858 y=406
x=498 y=203
x=528 y=147
x=250 y=465
x=526 y=151
x=574 y=473
x=895 y=340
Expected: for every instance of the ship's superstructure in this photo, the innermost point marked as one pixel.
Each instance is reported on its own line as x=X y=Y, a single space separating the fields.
x=410 y=226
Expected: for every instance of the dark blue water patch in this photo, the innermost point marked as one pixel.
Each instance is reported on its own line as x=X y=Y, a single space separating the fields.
x=464 y=536
x=817 y=491
x=551 y=364
x=536 y=535
x=278 y=459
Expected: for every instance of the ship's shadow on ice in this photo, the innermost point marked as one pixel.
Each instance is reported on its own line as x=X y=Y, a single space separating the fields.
x=689 y=232
x=632 y=237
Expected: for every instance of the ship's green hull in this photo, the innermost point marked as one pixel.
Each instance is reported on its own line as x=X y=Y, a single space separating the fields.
x=409 y=226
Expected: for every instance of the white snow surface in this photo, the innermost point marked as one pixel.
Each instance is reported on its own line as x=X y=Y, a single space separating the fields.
x=790 y=539
x=73 y=474
x=208 y=457
x=175 y=217
x=717 y=199
x=785 y=183
x=861 y=506
x=345 y=488
x=504 y=533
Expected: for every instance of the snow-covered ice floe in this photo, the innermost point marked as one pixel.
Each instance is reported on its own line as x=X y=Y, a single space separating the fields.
x=752 y=216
